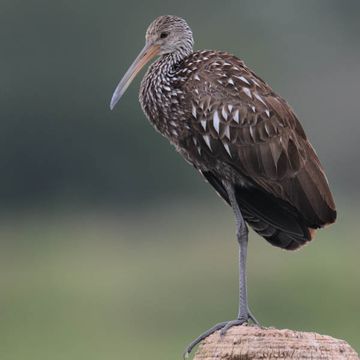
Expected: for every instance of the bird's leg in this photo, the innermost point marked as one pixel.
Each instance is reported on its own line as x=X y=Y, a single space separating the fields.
x=244 y=314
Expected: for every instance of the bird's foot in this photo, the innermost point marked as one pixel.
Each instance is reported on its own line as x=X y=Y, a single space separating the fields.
x=236 y=322
x=224 y=327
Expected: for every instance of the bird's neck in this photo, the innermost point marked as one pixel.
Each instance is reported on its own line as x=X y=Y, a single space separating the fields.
x=160 y=92
x=159 y=79
x=178 y=55
x=167 y=63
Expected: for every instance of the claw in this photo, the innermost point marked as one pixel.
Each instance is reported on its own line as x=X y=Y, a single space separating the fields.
x=202 y=337
x=252 y=318
x=224 y=327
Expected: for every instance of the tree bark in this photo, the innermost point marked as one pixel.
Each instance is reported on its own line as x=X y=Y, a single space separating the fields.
x=253 y=342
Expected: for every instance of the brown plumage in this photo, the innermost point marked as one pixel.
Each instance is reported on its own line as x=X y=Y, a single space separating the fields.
x=239 y=122
x=240 y=135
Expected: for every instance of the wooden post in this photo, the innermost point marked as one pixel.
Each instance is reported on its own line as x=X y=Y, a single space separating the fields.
x=253 y=342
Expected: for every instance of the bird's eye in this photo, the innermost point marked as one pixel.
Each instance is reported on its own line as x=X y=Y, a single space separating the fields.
x=163 y=35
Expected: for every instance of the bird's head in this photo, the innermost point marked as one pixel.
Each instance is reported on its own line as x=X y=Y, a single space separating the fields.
x=165 y=35
x=170 y=34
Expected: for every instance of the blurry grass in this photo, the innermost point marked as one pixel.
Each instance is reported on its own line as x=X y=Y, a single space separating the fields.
x=111 y=285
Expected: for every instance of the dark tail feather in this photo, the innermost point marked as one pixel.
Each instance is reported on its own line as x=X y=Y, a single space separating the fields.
x=272 y=218
x=309 y=192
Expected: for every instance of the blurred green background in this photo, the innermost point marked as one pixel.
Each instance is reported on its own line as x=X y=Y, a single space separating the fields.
x=111 y=245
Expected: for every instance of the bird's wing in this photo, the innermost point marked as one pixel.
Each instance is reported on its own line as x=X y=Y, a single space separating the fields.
x=239 y=119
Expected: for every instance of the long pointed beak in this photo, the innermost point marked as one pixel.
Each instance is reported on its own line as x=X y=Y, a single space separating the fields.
x=146 y=54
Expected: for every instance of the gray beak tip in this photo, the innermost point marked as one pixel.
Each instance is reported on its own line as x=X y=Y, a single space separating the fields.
x=114 y=100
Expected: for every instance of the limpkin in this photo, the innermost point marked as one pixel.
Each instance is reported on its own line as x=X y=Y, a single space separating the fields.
x=240 y=135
